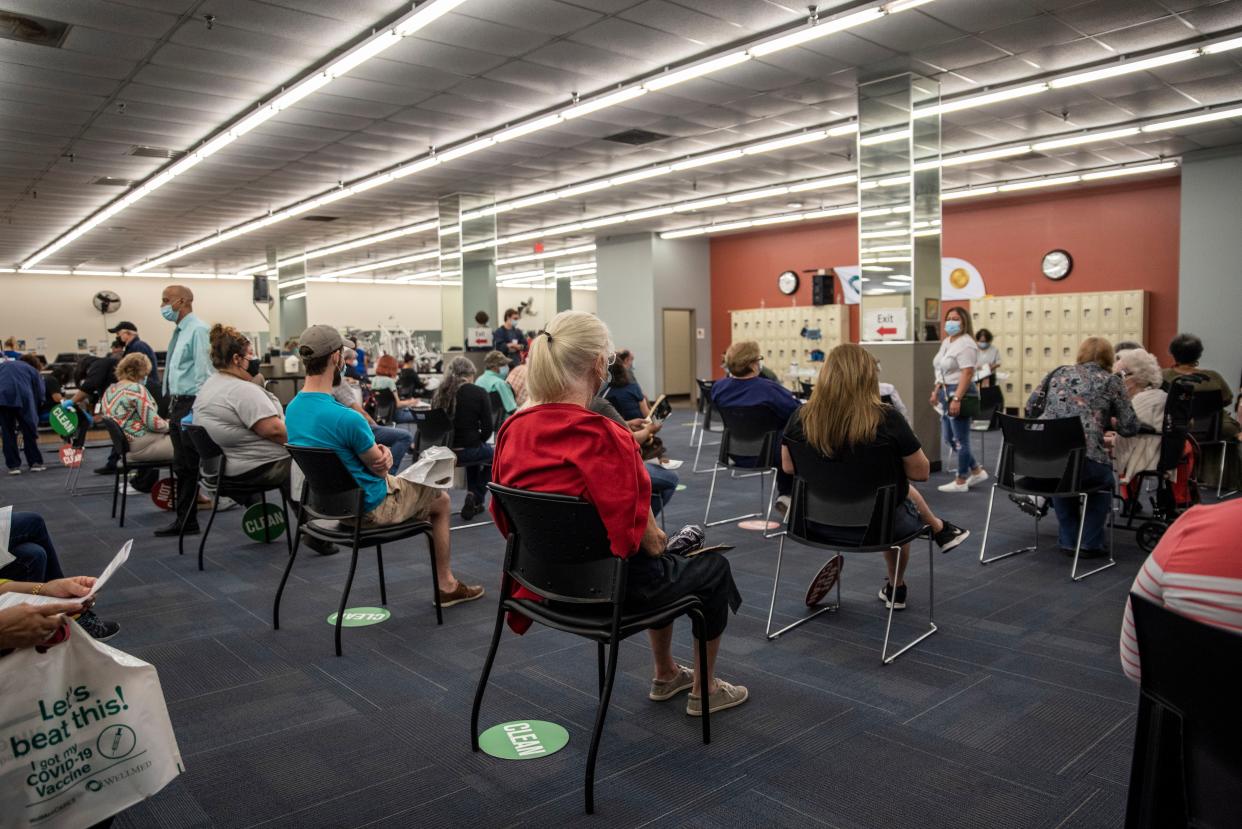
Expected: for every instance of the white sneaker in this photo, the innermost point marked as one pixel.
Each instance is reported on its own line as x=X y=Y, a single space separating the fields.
x=954 y=486
x=15 y=471
x=672 y=464
x=227 y=504
x=977 y=477
x=129 y=490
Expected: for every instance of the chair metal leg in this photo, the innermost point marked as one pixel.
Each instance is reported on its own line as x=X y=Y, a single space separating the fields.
x=487 y=670
x=267 y=529
x=698 y=451
x=1220 y=476
x=123 y=485
x=284 y=511
x=712 y=490
x=116 y=490
x=202 y=542
x=776 y=580
x=599 y=661
x=379 y=560
x=598 y=731
x=987 y=525
x=1082 y=520
x=767 y=516
x=885 y=659
x=702 y=646
x=435 y=583
x=293 y=554
x=349 y=582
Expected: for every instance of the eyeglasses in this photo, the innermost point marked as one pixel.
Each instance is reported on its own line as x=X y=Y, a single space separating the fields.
x=612 y=357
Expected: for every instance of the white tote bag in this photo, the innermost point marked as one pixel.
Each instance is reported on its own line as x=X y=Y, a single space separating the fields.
x=84 y=734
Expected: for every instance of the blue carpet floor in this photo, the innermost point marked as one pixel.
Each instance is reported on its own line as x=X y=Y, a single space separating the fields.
x=1015 y=714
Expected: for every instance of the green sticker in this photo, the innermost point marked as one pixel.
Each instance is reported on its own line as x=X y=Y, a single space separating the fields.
x=358 y=617
x=680 y=487
x=64 y=422
x=523 y=739
x=263 y=518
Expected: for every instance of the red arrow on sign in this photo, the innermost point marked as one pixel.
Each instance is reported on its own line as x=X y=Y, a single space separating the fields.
x=883 y=331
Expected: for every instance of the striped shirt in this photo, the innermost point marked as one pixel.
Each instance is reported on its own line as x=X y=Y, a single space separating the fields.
x=133 y=409
x=1195 y=570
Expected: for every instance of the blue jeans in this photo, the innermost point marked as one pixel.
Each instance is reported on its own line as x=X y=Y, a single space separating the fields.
x=957 y=434
x=477 y=474
x=13 y=418
x=403 y=416
x=31 y=545
x=397 y=440
x=663 y=485
x=1094 y=476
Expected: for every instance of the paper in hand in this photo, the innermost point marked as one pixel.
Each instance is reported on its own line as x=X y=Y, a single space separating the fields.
x=14 y=599
x=6 y=521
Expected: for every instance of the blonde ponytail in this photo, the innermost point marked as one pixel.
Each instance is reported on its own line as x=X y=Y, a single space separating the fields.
x=563 y=352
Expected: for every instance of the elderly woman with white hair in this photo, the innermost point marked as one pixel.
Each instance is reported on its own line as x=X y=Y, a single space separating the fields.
x=1141 y=373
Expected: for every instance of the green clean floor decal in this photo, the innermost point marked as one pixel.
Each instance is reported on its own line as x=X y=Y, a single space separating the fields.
x=523 y=739
x=357 y=617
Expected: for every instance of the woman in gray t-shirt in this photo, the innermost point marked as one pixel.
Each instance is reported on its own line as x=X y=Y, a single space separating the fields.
x=955 y=368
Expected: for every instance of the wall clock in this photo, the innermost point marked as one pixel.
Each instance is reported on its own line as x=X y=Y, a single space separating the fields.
x=1057 y=264
x=787 y=283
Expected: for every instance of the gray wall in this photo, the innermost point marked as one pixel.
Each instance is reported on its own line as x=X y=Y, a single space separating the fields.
x=1209 y=296
x=639 y=276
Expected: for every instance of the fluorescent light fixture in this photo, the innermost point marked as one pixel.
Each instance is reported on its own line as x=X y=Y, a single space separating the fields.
x=701 y=204
x=297 y=295
x=817 y=30
x=1223 y=46
x=466 y=149
x=696 y=71
x=1191 y=120
x=639 y=175
x=974 y=158
x=751 y=195
x=603 y=101
x=683 y=233
x=529 y=127
x=1040 y=182
x=293 y=283
x=1130 y=171
x=981 y=100
x=1085 y=138
x=363 y=241
x=951 y=195
x=422 y=256
x=823 y=183
x=787 y=141
x=547 y=254
x=884 y=138
x=1123 y=68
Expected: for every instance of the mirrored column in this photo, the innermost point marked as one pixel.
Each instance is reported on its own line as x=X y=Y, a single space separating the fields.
x=467 y=266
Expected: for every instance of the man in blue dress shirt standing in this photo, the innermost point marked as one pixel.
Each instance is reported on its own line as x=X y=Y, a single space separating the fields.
x=186 y=368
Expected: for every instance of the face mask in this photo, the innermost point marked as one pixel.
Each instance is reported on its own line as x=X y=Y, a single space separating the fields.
x=952 y=328
x=167 y=312
x=252 y=367
x=984 y=346
x=504 y=371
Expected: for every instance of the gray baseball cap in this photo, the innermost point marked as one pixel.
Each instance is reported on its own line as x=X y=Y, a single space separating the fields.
x=319 y=341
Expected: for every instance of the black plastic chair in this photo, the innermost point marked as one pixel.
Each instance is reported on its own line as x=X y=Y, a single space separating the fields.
x=702 y=421
x=498 y=409
x=434 y=429
x=1207 y=416
x=331 y=509
x=1185 y=770
x=749 y=432
x=124 y=466
x=858 y=491
x=558 y=549
x=991 y=402
x=213 y=475
x=1044 y=458
x=805 y=390
x=385 y=407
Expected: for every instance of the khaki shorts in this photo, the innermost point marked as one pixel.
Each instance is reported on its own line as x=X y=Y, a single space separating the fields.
x=405 y=501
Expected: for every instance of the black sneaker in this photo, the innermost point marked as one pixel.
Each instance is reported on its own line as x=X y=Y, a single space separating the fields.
x=98 y=628
x=1033 y=505
x=324 y=548
x=950 y=536
x=470 y=508
x=174 y=529
x=897 y=602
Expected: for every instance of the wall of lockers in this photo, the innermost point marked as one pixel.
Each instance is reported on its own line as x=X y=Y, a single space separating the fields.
x=1035 y=334
x=779 y=332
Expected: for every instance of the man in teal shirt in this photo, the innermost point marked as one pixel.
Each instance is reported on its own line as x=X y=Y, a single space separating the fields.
x=493 y=379
x=315 y=419
x=186 y=367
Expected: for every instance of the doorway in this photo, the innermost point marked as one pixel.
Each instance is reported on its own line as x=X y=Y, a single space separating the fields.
x=679 y=352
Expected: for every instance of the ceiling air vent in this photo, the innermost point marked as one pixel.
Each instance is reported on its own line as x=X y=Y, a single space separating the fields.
x=37 y=30
x=109 y=181
x=320 y=218
x=155 y=152
x=635 y=138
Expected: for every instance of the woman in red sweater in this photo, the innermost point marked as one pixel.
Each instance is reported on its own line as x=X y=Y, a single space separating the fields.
x=557 y=445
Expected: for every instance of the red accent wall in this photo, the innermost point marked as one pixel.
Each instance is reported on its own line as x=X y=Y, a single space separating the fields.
x=1122 y=237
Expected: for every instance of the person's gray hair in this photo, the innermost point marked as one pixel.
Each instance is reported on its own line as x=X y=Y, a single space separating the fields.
x=459 y=372
x=1141 y=365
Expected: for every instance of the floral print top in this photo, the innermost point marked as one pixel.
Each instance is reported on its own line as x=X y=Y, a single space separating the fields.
x=1093 y=394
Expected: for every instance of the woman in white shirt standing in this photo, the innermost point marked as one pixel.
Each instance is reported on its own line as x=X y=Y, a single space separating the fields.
x=958 y=396
x=989 y=359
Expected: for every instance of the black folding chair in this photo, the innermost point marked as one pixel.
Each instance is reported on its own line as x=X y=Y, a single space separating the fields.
x=749 y=432
x=558 y=549
x=124 y=466
x=498 y=409
x=331 y=509
x=844 y=493
x=213 y=475
x=991 y=401
x=1207 y=416
x=436 y=429
x=385 y=407
x=1045 y=458
x=1185 y=771
x=805 y=390
x=702 y=420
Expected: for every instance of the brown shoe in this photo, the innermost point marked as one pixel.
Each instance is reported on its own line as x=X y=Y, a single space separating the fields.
x=462 y=593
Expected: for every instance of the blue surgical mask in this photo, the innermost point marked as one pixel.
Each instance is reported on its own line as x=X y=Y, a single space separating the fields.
x=985 y=345
x=504 y=371
x=167 y=312
x=952 y=327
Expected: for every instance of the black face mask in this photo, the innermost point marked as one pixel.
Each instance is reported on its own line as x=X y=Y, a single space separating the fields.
x=252 y=367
